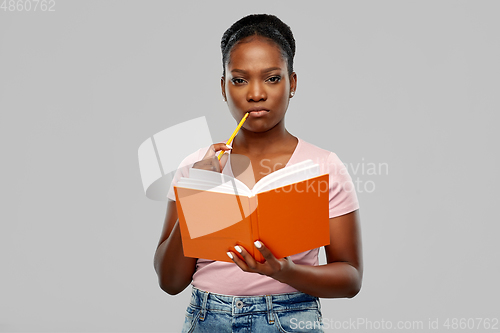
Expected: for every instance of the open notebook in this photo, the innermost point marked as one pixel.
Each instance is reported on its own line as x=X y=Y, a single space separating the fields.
x=287 y=210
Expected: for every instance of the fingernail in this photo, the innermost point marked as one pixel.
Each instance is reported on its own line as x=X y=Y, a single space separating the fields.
x=258 y=244
x=238 y=248
x=229 y=254
x=228 y=146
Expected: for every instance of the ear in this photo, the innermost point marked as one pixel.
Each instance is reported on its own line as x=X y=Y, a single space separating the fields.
x=293 y=81
x=223 y=86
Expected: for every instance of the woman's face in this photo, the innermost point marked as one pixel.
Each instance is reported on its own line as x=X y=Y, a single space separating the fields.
x=257 y=79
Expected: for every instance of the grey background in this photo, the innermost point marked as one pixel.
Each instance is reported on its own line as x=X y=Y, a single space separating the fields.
x=411 y=84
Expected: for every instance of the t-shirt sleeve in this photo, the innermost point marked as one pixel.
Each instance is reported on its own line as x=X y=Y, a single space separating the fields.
x=343 y=198
x=183 y=169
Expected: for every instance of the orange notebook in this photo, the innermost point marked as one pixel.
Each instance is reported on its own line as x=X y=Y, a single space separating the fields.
x=288 y=210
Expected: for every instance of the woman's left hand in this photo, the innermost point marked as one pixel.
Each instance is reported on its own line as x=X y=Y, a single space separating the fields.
x=272 y=267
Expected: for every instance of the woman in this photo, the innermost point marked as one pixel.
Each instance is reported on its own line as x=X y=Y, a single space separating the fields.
x=278 y=295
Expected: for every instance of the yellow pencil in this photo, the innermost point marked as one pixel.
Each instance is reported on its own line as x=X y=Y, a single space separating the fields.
x=234 y=134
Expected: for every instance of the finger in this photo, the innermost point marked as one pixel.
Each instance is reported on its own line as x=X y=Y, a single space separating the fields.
x=223 y=160
x=266 y=253
x=249 y=260
x=241 y=263
x=210 y=161
x=215 y=148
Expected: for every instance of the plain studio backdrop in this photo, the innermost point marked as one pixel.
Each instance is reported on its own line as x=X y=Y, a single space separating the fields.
x=405 y=93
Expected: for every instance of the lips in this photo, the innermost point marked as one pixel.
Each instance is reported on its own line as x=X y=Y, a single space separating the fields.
x=257 y=113
x=257 y=109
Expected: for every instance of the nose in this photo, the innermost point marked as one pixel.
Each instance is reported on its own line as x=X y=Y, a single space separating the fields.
x=256 y=92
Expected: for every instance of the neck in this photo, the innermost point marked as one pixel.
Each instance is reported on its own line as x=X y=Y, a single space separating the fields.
x=263 y=142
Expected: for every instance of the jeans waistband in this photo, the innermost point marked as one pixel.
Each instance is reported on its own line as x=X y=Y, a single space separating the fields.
x=239 y=305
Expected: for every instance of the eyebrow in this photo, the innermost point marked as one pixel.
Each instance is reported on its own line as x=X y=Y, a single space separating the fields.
x=270 y=69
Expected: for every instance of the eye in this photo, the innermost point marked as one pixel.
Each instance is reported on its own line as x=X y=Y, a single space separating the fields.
x=275 y=79
x=237 y=81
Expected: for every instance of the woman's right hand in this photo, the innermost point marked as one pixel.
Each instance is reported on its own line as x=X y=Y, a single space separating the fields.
x=210 y=161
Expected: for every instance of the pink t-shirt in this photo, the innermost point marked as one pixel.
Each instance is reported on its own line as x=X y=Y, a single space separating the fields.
x=227 y=278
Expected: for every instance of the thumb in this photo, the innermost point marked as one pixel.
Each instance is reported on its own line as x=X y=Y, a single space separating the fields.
x=223 y=160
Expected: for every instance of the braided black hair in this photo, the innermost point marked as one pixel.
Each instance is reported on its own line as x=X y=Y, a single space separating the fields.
x=264 y=25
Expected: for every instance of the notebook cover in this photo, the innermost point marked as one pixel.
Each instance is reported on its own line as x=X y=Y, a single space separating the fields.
x=289 y=220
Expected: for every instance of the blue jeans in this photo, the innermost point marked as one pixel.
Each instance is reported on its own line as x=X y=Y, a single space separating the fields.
x=290 y=312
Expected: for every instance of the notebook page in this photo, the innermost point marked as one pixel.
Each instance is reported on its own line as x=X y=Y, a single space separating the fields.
x=279 y=174
x=296 y=176
x=213 y=181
